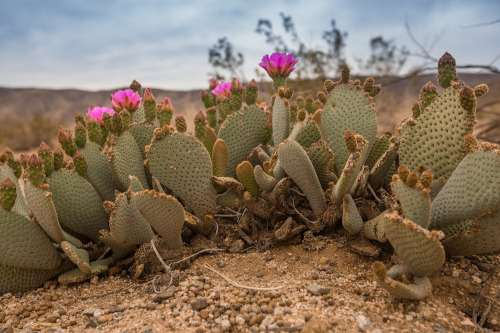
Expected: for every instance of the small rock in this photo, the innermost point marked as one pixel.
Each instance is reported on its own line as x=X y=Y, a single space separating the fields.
x=92 y=311
x=237 y=246
x=363 y=323
x=225 y=325
x=315 y=326
x=102 y=319
x=467 y=322
x=476 y=280
x=199 y=304
x=165 y=294
x=221 y=265
x=455 y=273
x=317 y=289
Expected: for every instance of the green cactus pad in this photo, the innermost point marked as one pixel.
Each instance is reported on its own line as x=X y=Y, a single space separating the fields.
x=79 y=257
x=384 y=168
x=436 y=186
x=78 y=205
x=126 y=223
x=245 y=174
x=470 y=192
x=437 y=139
x=24 y=244
x=143 y=134
x=310 y=134
x=347 y=108
x=390 y=281
x=420 y=249
x=99 y=172
x=351 y=220
x=481 y=236
x=120 y=248
x=76 y=275
x=125 y=158
x=416 y=203
x=183 y=164
x=220 y=158
x=15 y=279
x=164 y=213
x=229 y=183
x=210 y=138
x=374 y=228
x=298 y=166
x=241 y=132
x=265 y=181
x=135 y=184
x=380 y=146
x=321 y=155
x=280 y=120
x=20 y=206
x=44 y=210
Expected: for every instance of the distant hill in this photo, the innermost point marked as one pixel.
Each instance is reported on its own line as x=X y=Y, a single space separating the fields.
x=29 y=115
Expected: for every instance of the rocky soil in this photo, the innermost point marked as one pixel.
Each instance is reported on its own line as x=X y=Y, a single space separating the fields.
x=284 y=289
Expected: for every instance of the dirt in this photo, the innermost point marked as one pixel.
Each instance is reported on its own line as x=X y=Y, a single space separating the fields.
x=326 y=290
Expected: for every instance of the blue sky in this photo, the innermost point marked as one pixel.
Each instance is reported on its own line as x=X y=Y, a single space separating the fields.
x=104 y=44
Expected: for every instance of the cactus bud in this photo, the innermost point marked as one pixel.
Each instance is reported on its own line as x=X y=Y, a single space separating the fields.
x=368 y=84
x=345 y=74
x=94 y=130
x=200 y=126
x=80 y=164
x=321 y=97
x=293 y=112
x=329 y=85
x=244 y=172
x=301 y=103
x=301 y=115
x=6 y=155
x=66 y=141
x=481 y=89
x=470 y=143
x=427 y=94
x=165 y=113
x=35 y=170
x=267 y=132
x=58 y=159
x=116 y=123
x=376 y=90
x=220 y=158
x=79 y=119
x=126 y=119
x=136 y=86
x=403 y=172
x=46 y=154
x=421 y=168
x=24 y=160
x=236 y=96
x=317 y=117
x=415 y=108
x=213 y=84
x=8 y=194
x=310 y=104
x=207 y=98
x=467 y=99
x=426 y=178
x=446 y=70
x=180 y=123
x=412 y=179
x=80 y=135
x=212 y=116
x=251 y=92
x=223 y=105
x=149 y=103
x=350 y=141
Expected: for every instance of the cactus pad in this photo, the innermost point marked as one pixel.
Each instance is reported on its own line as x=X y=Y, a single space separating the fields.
x=351 y=220
x=241 y=131
x=98 y=171
x=182 y=163
x=164 y=213
x=280 y=120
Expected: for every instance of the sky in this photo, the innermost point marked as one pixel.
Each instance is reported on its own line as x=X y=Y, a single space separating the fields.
x=105 y=44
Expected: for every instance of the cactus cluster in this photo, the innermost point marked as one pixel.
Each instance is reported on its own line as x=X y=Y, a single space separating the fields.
x=126 y=175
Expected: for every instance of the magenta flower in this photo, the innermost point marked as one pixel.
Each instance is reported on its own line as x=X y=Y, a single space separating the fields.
x=222 y=89
x=97 y=112
x=278 y=64
x=128 y=99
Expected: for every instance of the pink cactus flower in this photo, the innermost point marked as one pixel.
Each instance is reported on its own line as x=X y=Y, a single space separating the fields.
x=97 y=112
x=278 y=64
x=222 y=89
x=128 y=99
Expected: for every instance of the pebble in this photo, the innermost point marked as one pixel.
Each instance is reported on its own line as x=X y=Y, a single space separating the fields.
x=315 y=326
x=199 y=304
x=476 y=280
x=317 y=289
x=363 y=323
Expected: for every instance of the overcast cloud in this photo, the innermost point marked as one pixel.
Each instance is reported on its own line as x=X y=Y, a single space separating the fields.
x=164 y=44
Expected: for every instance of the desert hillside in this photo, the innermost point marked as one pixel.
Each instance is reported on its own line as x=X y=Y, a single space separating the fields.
x=30 y=115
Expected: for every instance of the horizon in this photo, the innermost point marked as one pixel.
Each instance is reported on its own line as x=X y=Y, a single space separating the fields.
x=59 y=45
